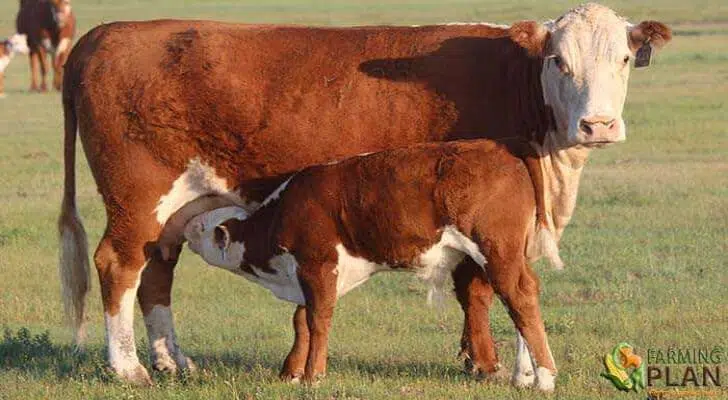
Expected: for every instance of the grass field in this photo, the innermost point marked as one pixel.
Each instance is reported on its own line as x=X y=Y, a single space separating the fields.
x=645 y=253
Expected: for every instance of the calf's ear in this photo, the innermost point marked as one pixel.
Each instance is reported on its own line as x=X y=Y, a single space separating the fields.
x=654 y=33
x=221 y=237
x=530 y=35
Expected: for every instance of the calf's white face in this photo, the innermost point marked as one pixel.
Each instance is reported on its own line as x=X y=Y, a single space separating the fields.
x=586 y=55
x=207 y=238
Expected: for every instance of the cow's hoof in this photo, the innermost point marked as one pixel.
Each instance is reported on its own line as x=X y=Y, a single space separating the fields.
x=188 y=365
x=136 y=376
x=545 y=379
x=499 y=374
x=523 y=379
x=168 y=366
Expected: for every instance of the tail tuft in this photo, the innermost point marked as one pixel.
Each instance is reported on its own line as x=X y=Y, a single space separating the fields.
x=73 y=268
x=543 y=244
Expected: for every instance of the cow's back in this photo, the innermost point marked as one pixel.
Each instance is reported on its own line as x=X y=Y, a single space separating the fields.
x=259 y=101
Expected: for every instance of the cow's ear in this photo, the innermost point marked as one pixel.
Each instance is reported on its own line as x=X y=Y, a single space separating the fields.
x=655 y=33
x=221 y=237
x=530 y=35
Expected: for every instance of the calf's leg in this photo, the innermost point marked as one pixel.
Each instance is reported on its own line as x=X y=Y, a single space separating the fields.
x=475 y=295
x=319 y=287
x=518 y=287
x=295 y=364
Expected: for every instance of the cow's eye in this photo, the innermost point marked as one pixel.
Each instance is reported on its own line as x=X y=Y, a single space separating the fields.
x=560 y=64
x=626 y=60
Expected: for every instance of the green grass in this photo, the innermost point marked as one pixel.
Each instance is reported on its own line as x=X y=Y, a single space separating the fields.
x=645 y=253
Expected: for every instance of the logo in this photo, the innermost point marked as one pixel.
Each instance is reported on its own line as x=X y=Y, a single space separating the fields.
x=618 y=364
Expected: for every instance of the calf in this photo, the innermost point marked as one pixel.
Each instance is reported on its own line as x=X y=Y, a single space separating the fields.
x=50 y=26
x=8 y=48
x=424 y=209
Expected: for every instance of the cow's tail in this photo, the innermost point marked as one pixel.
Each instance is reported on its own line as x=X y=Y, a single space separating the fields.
x=73 y=261
x=543 y=244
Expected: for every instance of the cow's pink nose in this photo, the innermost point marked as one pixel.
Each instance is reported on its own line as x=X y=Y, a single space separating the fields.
x=598 y=128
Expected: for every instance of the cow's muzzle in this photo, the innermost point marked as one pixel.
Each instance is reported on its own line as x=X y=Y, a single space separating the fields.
x=600 y=130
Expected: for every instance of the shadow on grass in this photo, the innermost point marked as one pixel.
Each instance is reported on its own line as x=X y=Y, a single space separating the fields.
x=261 y=364
x=37 y=356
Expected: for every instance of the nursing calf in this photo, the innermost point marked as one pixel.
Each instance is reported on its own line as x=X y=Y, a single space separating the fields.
x=423 y=209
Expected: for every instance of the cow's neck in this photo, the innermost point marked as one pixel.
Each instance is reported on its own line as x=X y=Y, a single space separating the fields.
x=562 y=169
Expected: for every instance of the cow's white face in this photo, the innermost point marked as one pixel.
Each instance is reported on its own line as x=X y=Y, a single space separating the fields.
x=61 y=11
x=586 y=56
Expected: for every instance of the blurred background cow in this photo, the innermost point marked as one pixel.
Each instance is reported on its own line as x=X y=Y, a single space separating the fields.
x=49 y=26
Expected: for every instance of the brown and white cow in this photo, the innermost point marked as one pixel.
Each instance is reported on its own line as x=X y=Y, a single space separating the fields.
x=50 y=26
x=16 y=44
x=422 y=209
x=170 y=112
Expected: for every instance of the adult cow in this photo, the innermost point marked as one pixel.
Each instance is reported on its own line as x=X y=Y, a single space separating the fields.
x=171 y=112
x=50 y=26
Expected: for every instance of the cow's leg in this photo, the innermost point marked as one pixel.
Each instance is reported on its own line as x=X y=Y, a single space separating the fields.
x=295 y=364
x=154 y=296
x=319 y=287
x=34 y=65
x=475 y=295
x=43 y=58
x=518 y=287
x=119 y=265
x=57 y=73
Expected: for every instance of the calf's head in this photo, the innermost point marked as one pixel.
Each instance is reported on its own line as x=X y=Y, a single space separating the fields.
x=210 y=236
x=586 y=55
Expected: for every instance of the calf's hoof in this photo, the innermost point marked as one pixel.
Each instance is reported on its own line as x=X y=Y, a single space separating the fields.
x=294 y=377
x=313 y=380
